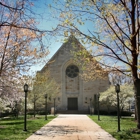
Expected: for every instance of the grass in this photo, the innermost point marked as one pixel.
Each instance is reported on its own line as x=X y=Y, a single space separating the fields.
x=110 y=124
x=12 y=129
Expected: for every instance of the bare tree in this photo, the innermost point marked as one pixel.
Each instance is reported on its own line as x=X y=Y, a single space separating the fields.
x=113 y=34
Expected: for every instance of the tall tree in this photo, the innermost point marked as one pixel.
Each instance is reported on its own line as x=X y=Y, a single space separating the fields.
x=21 y=39
x=112 y=31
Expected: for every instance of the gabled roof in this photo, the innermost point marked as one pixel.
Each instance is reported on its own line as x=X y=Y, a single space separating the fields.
x=71 y=39
x=73 y=44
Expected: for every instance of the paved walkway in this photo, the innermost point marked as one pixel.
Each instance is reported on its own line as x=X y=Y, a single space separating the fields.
x=71 y=127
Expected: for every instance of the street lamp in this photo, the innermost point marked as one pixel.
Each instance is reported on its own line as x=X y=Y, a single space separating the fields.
x=98 y=107
x=16 y=109
x=117 y=89
x=25 y=90
x=129 y=102
x=54 y=106
x=46 y=96
x=90 y=106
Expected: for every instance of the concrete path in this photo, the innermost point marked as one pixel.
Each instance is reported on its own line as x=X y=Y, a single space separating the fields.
x=71 y=127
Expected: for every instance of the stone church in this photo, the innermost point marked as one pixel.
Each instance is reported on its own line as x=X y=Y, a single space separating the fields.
x=74 y=93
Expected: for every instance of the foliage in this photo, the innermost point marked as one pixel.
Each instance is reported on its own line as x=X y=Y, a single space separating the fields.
x=13 y=128
x=119 y=78
x=22 y=44
x=111 y=42
x=112 y=112
x=12 y=96
x=127 y=125
x=112 y=34
x=42 y=85
x=109 y=97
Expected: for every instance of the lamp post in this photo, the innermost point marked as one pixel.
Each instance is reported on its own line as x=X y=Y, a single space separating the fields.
x=54 y=106
x=90 y=106
x=117 y=89
x=46 y=96
x=129 y=102
x=16 y=110
x=25 y=90
x=98 y=107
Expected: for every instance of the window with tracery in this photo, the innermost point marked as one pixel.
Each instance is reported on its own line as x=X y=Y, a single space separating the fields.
x=72 y=71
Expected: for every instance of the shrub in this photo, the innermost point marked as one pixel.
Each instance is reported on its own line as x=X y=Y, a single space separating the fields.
x=126 y=113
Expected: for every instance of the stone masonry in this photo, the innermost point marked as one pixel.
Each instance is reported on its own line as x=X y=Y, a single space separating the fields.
x=74 y=92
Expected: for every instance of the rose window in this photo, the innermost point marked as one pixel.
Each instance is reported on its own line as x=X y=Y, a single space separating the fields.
x=72 y=71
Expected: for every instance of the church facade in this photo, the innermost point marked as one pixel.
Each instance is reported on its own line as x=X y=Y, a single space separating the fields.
x=74 y=93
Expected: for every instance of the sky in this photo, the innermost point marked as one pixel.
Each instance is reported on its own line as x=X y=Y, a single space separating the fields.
x=47 y=22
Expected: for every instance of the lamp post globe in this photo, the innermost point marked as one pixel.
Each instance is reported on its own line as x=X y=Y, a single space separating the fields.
x=25 y=88
x=46 y=96
x=117 y=88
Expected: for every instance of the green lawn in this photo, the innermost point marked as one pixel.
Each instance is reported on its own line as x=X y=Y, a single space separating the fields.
x=110 y=124
x=12 y=129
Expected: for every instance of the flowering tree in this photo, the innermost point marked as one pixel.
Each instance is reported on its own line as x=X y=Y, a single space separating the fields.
x=12 y=93
x=110 y=98
x=21 y=42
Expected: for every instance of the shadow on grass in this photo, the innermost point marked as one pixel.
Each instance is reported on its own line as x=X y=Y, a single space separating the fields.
x=128 y=118
x=16 y=122
x=12 y=123
x=11 y=118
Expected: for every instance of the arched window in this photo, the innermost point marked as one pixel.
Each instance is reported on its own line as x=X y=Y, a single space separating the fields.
x=72 y=71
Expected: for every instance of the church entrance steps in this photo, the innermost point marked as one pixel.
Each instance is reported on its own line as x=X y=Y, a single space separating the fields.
x=72 y=112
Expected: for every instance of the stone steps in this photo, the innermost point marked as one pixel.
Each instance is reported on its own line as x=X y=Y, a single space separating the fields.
x=72 y=112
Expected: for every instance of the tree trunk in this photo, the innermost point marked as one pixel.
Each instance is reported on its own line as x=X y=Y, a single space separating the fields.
x=137 y=100
x=34 y=109
x=135 y=112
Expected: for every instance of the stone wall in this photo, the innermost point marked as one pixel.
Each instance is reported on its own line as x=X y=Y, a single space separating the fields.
x=72 y=87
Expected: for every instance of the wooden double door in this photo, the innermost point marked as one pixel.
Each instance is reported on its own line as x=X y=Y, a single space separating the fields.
x=72 y=104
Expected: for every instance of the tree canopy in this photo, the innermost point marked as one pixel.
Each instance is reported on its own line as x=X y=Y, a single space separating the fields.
x=21 y=42
x=125 y=95
x=112 y=31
